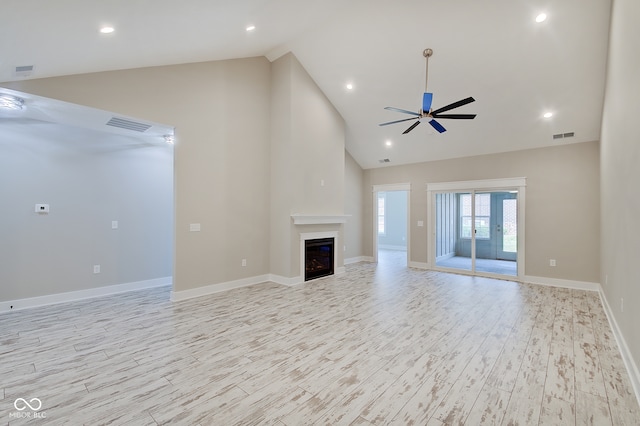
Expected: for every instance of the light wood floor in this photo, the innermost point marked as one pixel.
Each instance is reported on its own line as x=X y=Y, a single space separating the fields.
x=381 y=344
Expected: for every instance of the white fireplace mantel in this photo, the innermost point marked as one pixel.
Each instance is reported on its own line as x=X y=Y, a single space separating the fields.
x=311 y=219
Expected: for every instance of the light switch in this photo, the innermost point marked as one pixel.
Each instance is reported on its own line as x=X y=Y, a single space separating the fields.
x=420 y=223
x=114 y=224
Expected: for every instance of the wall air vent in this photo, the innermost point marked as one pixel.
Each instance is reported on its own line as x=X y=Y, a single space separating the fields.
x=123 y=123
x=385 y=160
x=564 y=135
x=23 y=71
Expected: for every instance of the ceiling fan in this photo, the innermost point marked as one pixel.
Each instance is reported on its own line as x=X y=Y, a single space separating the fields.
x=426 y=111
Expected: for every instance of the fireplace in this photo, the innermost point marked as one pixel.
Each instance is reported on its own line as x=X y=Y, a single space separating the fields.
x=318 y=258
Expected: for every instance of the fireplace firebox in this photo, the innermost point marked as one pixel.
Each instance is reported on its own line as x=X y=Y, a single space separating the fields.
x=318 y=258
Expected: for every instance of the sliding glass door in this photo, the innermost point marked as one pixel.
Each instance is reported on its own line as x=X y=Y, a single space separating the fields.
x=477 y=231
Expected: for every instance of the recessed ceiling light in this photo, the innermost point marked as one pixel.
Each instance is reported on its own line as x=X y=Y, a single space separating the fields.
x=10 y=102
x=107 y=30
x=349 y=86
x=251 y=28
x=388 y=143
x=548 y=115
x=541 y=17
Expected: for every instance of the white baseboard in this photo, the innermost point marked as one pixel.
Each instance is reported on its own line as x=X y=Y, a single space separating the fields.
x=557 y=282
x=627 y=358
x=177 y=296
x=392 y=247
x=71 y=296
x=418 y=265
x=289 y=282
x=357 y=259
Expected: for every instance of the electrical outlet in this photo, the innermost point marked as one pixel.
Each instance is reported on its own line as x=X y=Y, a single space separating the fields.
x=552 y=262
x=96 y=269
x=244 y=262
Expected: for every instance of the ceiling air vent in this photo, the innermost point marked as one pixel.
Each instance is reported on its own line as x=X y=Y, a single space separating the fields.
x=123 y=123
x=558 y=136
x=23 y=71
x=385 y=160
x=568 y=135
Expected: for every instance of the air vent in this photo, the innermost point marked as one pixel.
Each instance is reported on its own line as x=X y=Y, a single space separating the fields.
x=24 y=71
x=563 y=135
x=385 y=160
x=123 y=123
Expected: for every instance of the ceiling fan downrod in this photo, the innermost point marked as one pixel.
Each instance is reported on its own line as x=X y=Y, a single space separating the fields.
x=427 y=53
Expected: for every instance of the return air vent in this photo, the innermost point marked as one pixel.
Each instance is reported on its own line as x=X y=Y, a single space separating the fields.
x=385 y=160
x=123 y=123
x=563 y=135
x=23 y=71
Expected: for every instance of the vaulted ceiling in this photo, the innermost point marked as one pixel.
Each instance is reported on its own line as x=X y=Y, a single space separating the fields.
x=516 y=68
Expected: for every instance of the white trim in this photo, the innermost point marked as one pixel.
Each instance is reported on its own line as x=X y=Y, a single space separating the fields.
x=72 y=296
x=418 y=265
x=177 y=296
x=478 y=184
x=392 y=247
x=627 y=357
x=384 y=188
x=308 y=219
x=392 y=187
x=472 y=186
x=289 y=282
x=557 y=282
x=357 y=259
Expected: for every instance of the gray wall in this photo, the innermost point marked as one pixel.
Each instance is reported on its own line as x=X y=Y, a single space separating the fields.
x=620 y=160
x=395 y=236
x=562 y=203
x=89 y=179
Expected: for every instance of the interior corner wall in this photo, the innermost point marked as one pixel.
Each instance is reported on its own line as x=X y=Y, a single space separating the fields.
x=620 y=156
x=221 y=156
x=88 y=179
x=562 y=204
x=353 y=199
x=307 y=160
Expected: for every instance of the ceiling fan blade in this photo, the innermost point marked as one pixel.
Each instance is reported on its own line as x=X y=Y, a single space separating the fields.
x=437 y=126
x=404 y=111
x=455 y=116
x=398 y=121
x=427 y=98
x=413 y=126
x=453 y=105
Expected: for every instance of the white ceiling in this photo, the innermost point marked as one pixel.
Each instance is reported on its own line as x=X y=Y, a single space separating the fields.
x=515 y=68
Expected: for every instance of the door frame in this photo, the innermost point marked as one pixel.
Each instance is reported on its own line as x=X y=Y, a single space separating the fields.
x=507 y=184
x=386 y=188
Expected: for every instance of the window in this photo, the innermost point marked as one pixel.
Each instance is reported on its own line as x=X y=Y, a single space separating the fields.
x=483 y=215
x=381 y=201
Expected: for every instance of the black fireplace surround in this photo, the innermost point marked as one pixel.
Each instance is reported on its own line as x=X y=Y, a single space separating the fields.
x=318 y=258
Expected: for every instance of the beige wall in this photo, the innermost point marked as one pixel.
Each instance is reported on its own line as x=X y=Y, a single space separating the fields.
x=221 y=114
x=307 y=161
x=620 y=164
x=353 y=199
x=562 y=199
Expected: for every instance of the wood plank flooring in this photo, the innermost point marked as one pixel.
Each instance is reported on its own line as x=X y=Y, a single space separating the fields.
x=379 y=345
